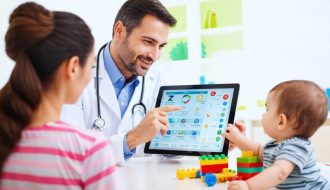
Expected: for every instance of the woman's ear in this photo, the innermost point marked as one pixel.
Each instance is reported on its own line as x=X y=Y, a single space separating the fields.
x=282 y=122
x=72 y=68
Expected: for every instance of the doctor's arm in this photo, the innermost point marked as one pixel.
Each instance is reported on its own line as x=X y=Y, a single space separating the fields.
x=155 y=121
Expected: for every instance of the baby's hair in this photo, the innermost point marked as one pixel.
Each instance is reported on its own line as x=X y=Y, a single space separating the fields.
x=304 y=103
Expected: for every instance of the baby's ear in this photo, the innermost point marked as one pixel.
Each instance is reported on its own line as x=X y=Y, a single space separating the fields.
x=282 y=122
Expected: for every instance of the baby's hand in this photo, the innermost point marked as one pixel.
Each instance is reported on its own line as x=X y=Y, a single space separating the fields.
x=241 y=127
x=238 y=185
x=232 y=133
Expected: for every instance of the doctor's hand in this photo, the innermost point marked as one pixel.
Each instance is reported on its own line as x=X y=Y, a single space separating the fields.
x=154 y=122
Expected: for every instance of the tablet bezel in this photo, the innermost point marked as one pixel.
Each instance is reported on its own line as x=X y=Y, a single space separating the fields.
x=234 y=86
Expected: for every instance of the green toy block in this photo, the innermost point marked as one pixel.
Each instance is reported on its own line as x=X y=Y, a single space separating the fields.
x=223 y=157
x=248 y=159
x=250 y=170
x=204 y=157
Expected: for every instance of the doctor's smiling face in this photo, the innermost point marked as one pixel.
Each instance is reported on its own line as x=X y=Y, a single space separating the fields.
x=140 y=48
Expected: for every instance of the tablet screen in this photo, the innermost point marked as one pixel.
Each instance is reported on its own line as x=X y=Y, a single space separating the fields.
x=197 y=128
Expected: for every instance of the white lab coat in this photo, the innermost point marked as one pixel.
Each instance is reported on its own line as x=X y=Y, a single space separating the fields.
x=84 y=112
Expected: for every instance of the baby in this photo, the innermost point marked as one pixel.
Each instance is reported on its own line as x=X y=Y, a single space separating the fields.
x=294 y=111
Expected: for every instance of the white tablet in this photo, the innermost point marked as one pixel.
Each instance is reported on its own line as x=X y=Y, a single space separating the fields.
x=197 y=128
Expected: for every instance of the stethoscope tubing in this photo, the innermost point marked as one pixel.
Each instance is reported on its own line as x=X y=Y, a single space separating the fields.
x=140 y=103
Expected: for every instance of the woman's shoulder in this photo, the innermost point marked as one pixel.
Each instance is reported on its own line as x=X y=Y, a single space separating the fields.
x=68 y=134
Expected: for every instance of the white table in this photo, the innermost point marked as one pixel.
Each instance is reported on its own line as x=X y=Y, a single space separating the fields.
x=156 y=173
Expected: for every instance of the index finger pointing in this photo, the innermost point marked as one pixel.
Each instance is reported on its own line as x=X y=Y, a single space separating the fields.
x=170 y=108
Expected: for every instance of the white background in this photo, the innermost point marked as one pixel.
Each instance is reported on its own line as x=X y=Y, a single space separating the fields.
x=283 y=39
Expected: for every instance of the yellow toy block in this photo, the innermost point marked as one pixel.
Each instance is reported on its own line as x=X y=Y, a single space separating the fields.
x=181 y=174
x=247 y=153
x=225 y=175
x=186 y=173
x=213 y=162
x=192 y=173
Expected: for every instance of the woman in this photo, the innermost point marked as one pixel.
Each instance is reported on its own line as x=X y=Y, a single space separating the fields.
x=53 y=52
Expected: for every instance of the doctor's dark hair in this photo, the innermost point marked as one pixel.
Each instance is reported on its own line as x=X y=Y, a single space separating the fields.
x=39 y=41
x=133 y=11
x=304 y=104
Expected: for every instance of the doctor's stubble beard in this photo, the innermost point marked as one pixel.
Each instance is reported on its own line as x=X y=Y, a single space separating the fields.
x=135 y=69
x=133 y=66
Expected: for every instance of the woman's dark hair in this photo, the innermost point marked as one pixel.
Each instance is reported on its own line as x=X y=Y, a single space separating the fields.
x=39 y=41
x=133 y=11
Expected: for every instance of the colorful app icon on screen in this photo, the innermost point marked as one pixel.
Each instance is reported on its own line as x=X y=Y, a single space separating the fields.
x=186 y=98
x=213 y=93
x=200 y=97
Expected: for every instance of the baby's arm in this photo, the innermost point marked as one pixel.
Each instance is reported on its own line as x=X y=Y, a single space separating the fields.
x=270 y=177
x=242 y=142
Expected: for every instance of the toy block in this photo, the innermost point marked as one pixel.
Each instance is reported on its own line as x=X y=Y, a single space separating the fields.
x=186 y=173
x=250 y=170
x=249 y=165
x=212 y=178
x=247 y=153
x=192 y=173
x=252 y=159
x=216 y=168
x=210 y=160
x=234 y=178
x=246 y=176
x=222 y=177
x=181 y=174
x=212 y=164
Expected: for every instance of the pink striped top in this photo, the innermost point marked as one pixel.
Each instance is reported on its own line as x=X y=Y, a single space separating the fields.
x=58 y=156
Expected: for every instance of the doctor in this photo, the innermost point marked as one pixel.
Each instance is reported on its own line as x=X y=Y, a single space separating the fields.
x=118 y=101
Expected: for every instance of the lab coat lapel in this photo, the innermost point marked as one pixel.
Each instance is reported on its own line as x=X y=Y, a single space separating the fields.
x=107 y=92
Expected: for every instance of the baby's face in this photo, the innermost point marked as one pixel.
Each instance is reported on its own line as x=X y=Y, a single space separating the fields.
x=270 y=118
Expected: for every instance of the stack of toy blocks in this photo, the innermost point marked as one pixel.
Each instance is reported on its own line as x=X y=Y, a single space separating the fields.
x=212 y=164
x=248 y=165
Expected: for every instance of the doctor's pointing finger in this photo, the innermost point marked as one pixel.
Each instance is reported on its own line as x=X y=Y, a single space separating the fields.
x=155 y=121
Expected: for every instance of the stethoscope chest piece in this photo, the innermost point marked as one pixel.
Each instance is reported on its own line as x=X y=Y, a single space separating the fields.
x=99 y=124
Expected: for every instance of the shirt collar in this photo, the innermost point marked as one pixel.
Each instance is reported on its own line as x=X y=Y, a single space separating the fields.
x=114 y=73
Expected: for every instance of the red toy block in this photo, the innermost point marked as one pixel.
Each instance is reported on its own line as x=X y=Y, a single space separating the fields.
x=249 y=165
x=235 y=178
x=246 y=176
x=217 y=168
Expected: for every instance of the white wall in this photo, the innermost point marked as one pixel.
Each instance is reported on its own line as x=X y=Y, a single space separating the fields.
x=98 y=16
x=283 y=39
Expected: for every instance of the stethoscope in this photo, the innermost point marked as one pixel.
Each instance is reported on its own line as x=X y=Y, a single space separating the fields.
x=99 y=123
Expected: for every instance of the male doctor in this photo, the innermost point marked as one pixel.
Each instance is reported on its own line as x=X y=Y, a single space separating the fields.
x=140 y=32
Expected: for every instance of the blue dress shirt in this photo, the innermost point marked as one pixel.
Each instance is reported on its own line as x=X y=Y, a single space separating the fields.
x=124 y=90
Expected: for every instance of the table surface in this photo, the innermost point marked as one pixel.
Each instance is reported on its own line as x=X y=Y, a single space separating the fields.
x=155 y=172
